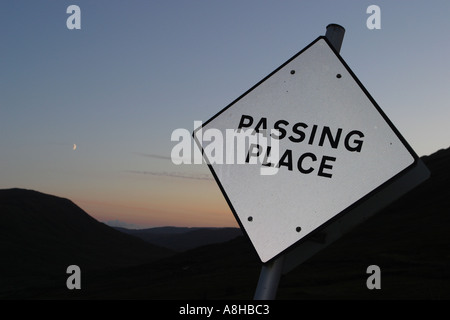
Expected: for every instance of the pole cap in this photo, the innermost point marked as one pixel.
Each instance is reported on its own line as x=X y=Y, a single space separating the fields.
x=335 y=34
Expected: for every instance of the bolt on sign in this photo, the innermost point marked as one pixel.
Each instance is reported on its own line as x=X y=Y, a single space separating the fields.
x=335 y=148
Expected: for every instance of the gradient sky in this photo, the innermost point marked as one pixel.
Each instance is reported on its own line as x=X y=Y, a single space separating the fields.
x=137 y=70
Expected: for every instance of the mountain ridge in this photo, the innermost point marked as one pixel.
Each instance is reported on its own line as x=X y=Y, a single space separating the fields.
x=41 y=235
x=183 y=238
x=408 y=240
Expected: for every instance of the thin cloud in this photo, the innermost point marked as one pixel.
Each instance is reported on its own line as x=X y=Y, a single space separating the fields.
x=180 y=175
x=155 y=156
x=192 y=158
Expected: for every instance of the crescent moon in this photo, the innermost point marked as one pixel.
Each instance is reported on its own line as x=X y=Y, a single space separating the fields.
x=74 y=146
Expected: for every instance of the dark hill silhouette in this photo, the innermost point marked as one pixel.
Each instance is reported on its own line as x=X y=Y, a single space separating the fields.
x=408 y=240
x=182 y=239
x=40 y=235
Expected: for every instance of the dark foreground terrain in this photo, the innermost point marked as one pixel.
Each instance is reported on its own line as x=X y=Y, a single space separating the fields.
x=40 y=235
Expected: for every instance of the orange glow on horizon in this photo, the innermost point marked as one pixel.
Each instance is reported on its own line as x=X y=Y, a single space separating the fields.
x=185 y=207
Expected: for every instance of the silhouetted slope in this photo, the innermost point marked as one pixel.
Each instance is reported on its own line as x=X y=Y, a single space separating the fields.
x=217 y=271
x=409 y=241
x=182 y=239
x=40 y=235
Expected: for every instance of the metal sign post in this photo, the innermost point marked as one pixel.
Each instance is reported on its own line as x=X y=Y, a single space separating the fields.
x=271 y=271
x=269 y=279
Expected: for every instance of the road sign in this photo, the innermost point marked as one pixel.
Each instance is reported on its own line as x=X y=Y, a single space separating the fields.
x=336 y=149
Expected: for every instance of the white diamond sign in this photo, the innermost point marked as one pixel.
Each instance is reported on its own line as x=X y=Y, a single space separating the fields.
x=335 y=148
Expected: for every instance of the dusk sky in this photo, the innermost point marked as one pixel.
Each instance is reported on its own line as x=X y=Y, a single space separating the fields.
x=137 y=70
